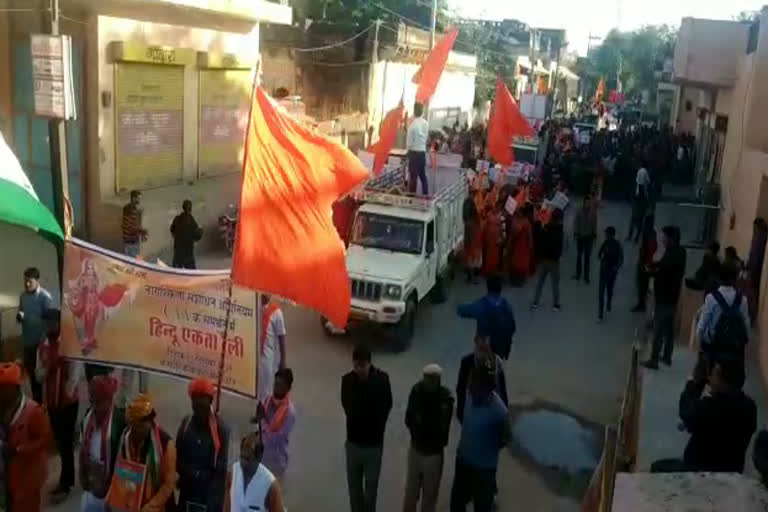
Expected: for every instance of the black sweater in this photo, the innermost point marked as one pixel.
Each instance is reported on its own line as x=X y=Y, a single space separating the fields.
x=367 y=404
x=721 y=427
x=428 y=418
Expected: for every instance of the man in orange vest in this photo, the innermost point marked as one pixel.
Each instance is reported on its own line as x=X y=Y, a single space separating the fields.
x=28 y=438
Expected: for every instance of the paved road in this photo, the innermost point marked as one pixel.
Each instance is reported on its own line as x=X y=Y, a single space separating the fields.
x=564 y=358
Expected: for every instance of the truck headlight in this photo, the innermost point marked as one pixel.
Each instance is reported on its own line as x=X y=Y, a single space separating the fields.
x=392 y=291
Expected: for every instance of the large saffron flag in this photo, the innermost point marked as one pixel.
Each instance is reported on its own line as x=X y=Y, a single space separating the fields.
x=286 y=242
x=387 y=138
x=505 y=123
x=430 y=71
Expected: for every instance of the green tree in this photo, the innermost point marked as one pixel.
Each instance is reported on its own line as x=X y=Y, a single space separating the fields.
x=633 y=57
x=749 y=16
x=492 y=59
x=365 y=12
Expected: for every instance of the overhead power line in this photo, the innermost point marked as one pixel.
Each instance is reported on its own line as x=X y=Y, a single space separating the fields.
x=336 y=45
x=416 y=24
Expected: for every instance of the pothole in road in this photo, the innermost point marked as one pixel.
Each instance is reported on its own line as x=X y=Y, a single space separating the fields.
x=561 y=447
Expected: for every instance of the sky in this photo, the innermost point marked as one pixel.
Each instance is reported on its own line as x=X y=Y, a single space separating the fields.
x=582 y=17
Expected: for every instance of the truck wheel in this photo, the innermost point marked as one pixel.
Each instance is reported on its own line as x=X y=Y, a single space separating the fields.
x=403 y=330
x=330 y=330
x=438 y=295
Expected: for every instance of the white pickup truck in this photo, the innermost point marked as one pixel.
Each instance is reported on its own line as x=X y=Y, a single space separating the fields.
x=401 y=248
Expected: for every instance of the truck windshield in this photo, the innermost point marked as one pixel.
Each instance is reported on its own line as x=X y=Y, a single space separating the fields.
x=390 y=233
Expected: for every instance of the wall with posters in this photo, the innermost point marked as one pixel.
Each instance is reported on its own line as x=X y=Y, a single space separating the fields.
x=144 y=124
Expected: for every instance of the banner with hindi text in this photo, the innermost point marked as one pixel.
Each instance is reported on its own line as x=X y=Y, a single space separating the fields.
x=123 y=312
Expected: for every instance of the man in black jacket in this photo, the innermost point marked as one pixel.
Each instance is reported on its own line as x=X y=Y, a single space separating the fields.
x=721 y=424
x=549 y=250
x=367 y=399
x=185 y=233
x=668 y=276
x=428 y=418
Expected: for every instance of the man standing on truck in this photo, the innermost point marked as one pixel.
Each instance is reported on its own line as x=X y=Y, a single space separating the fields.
x=416 y=143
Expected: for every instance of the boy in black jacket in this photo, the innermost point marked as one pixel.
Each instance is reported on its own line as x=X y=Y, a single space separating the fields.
x=611 y=257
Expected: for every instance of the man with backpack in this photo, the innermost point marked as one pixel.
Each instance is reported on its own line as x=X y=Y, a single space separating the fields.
x=723 y=327
x=494 y=317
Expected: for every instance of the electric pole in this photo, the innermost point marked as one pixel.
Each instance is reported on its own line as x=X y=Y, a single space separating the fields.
x=57 y=135
x=433 y=26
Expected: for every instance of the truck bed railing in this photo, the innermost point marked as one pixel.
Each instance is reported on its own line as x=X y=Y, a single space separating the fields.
x=390 y=188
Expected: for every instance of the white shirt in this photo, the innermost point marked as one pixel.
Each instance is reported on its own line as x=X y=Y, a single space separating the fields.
x=418 y=132
x=710 y=313
x=272 y=343
x=254 y=497
x=270 y=358
x=642 y=179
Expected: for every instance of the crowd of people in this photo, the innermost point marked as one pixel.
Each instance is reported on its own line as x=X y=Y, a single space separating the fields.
x=120 y=427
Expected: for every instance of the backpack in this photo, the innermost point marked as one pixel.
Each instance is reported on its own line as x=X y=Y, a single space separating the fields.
x=730 y=336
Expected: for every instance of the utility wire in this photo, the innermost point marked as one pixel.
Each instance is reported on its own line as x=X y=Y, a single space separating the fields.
x=336 y=45
x=416 y=24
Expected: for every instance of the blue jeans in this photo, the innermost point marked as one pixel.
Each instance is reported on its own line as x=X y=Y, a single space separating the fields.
x=607 y=282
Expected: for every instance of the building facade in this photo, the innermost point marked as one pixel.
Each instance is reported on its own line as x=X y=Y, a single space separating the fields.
x=732 y=104
x=163 y=91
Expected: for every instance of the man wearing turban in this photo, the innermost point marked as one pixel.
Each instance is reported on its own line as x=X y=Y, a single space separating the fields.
x=28 y=441
x=201 y=445
x=144 y=442
x=102 y=427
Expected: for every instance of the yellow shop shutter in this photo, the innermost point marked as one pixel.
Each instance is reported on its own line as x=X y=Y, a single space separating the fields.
x=149 y=119
x=224 y=105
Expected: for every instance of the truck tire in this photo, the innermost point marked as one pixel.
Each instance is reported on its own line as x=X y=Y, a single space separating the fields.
x=438 y=294
x=402 y=331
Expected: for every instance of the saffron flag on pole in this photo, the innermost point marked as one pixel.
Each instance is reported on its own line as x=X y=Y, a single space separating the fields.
x=286 y=241
x=430 y=71
x=387 y=138
x=600 y=91
x=506 y=122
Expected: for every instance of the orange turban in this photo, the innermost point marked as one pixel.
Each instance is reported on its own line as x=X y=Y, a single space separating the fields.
x=102 y=388
x=202 y=387
x=139 y=409
x=10 y=374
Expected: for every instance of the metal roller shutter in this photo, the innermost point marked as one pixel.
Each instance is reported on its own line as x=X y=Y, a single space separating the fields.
x=224 y=104
x=149 y=104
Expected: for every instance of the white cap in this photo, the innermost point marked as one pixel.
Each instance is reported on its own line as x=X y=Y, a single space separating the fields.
x=433 y=369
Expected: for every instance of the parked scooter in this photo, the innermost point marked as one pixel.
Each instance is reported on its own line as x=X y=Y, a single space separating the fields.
x=228 y=227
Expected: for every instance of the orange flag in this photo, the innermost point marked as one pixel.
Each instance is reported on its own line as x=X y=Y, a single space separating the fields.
x=506 y=122
x=387 y=138
x=286 y=242
x=429 y=73
x=600 y=91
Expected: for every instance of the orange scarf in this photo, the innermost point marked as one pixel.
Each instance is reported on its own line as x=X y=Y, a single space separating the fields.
x=266 y=317
x=278 y=420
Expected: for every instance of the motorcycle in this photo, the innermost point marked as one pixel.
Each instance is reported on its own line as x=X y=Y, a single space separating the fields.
x=228 y=227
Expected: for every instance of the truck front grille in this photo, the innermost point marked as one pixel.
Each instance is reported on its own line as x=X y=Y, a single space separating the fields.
x=366 y=290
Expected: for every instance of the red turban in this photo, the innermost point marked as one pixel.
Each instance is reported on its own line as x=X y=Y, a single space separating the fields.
x=10 y=374
x=202 y=387
x=102 y=388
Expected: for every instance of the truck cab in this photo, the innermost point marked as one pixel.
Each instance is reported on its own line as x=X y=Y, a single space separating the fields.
x=399 y=248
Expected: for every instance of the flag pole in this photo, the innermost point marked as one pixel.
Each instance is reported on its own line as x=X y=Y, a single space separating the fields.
x=224 y=347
